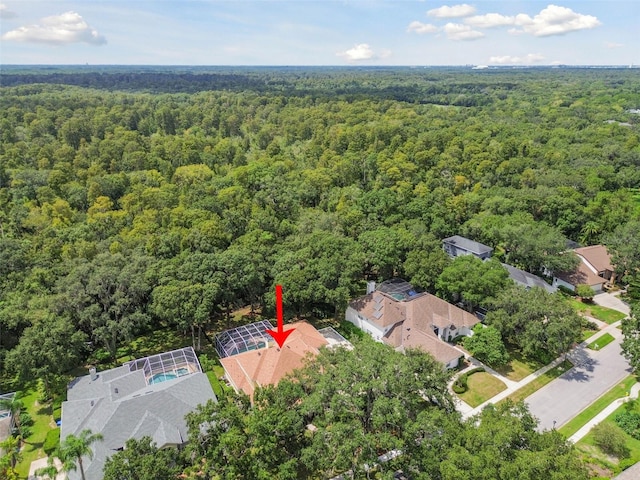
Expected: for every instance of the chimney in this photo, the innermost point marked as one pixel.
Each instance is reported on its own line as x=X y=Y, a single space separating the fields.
x=94 y=374
x=371 y=286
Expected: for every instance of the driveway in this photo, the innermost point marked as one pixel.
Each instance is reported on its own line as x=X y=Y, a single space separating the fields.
x=594 y=374
x=611 y=301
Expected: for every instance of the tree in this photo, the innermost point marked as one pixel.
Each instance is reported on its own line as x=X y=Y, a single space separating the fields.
x=624 y=246
x=631 y=341
x=611 y=440
x=585 y=292
x=47 y=350
x=502 y=443
x=472 y=281
x=537 y=322
x=187 y=305
x=72 y=449
x=334 y=415
x=108 y=297
x=143 y=460
x=10 y=447
x=487 y=346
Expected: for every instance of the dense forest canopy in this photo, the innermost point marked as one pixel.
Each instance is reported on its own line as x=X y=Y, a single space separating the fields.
x=138 y=198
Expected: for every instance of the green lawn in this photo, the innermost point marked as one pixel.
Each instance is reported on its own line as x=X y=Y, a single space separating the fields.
x=604 y=314
x=43 y=422
x=518 y=367
x=588 y=446
x=588 y=334
x=540 y=382
x=601 y=342
x=482 y=387
x=619 y=391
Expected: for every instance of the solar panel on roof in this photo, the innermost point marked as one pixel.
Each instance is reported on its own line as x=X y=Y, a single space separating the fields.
x=377 y=315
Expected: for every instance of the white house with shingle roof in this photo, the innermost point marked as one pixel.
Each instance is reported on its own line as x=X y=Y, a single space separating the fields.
x=396 y=314
x=146 y=397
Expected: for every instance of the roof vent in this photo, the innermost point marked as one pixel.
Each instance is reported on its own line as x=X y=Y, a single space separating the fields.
x=115 y=390
x=92 y=403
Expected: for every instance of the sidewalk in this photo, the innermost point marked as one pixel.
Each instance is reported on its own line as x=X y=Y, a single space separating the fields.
x=604 y=414
x=573 y=355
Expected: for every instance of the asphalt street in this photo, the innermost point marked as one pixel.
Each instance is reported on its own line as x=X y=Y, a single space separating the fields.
x=595 y=373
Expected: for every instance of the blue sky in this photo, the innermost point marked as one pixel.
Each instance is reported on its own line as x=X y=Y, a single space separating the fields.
x=325 y=32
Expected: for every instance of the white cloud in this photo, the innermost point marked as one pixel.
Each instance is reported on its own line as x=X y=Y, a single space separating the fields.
x=361 y=52
x=62 y=29
x=457 y=31
x=511 y=60
x=554 y=20
x=421 y=28
x=613 y=45
x=489 y=20
x=5 y=12
x=454 y=11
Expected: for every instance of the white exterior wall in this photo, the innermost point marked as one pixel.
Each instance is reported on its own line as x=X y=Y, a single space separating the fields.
x=558 y=282
x=363 y=323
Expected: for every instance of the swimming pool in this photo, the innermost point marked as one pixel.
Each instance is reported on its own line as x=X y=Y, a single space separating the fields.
x=162 y=377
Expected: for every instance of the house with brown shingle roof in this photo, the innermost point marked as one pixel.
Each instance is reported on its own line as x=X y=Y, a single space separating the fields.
x=259 y=367
x=399 y=316
x=595 y=269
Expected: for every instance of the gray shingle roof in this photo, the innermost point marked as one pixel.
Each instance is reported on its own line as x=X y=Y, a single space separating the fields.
x=136 y=410
x=526 y=279
x=468 y=245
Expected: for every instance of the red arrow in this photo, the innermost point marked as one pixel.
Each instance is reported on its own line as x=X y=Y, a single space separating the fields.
x=280 y=336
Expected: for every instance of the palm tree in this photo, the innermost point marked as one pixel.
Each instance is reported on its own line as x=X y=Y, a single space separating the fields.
x=72 y=449
x=589 y=232
x=14 y=405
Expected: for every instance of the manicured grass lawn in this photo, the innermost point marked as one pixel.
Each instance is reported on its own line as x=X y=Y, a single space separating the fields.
x=519 y=367
x=619 y=391
x=540 y=382
x=601 y=342
x=43 y=422
x=482 y=387
x=605 y=314
x=588 y=334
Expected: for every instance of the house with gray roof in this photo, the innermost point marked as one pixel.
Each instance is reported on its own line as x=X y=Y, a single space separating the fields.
x=456 y=246
x=145 y=397
x=527 y=280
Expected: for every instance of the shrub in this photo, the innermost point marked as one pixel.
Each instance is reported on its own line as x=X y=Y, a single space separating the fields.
x=585 y=292
x=566 y=290
x=611 y=440
x=51 y=441
x=25 y=419
x=460 y=385
x=629 y=422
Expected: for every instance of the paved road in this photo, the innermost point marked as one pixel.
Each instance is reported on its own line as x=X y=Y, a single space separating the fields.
x=576 y=389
